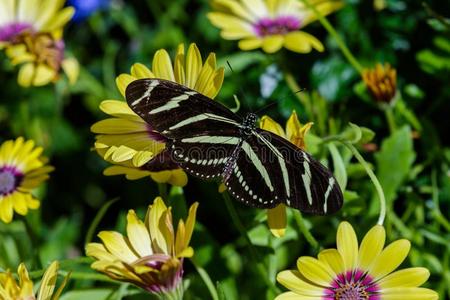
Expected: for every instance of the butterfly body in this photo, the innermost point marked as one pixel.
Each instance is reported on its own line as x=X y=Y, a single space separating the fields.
x=209 y=141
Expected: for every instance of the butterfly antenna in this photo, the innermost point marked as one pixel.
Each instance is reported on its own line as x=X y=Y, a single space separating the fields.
x=241 y=91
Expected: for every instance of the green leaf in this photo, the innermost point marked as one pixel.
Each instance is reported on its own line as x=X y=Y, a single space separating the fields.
x=91 y=294
x=352 y=134
x=394 y=161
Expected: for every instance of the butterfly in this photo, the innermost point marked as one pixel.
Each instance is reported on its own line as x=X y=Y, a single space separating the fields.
x=207 y=140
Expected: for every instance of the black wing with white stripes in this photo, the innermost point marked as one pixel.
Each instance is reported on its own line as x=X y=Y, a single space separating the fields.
x=209 y=141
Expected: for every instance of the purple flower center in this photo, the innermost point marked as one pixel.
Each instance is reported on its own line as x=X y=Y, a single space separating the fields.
x=10 y=31
x=353 y=285
x=281 y=25
x=10 y=178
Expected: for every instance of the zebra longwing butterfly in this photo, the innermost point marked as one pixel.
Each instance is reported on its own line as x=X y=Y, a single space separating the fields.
x=209 y=141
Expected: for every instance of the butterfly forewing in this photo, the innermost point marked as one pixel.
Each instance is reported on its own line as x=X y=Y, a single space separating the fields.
x=176 y=111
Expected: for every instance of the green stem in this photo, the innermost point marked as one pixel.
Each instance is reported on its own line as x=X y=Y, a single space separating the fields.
x=162 y=189
x=390 y=118
x=295 y=88
x=304 y=230
x=435 y=196
x=374 y=179
x=254 y=255
x=352 y=60
x=207 y=280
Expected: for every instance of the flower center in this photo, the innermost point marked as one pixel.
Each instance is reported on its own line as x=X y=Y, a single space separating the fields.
x=9 y=32
x=9 y=180
x=281 y=25
x=351 y=291
x=353 y=285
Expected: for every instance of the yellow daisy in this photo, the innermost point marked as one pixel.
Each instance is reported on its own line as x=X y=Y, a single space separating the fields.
x=31 y=31
x=22 y=168
x=270 y=24
x=42 y=59
x=295 y=133
x=127 y=141
x=349 y=272
x=151 y=257
x=10 y=289
x=34 y=16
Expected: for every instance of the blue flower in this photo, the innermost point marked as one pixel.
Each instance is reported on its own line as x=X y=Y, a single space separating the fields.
x=85 y=8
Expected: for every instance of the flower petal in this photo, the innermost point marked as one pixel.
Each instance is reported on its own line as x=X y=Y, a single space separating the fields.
x=122 y=81
x=272 y=43
x=315 y=270
x=138 y=235
x=294 y=296
x=347 y=245
x=371 y=246
x=153 y=220
x=140 y=71
x=294 y=282
x=277 y=221
x=118 y=245
x=390 y=258
x=332 y=258
x=250 y=44
x=409 y=293
x=411 y=277
x=193 y=66
x=302 y=42
x=267 y=123
x=48 y=282
x=162 y=65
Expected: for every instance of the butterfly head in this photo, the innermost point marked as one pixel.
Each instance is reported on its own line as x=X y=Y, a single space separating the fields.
x=249 y=123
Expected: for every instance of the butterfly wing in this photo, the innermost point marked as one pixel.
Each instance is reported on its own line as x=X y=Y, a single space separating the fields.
x=271 y=170
x=176 y=111
x=202 y=134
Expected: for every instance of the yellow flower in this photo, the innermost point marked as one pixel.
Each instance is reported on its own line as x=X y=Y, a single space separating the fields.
x=295 y=133
x=270 y=24
x=33 y=16
x=22 y=168
x=31 y=32
x=10 y=289
x=381 y=82
x=41 y=57
x=349 y=272
x=151 y=257
x=128 y=141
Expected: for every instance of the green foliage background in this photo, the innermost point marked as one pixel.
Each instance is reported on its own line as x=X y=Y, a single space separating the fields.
x=414 y=172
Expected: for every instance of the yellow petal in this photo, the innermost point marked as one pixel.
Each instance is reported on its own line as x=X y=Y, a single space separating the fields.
x=26 y=74
x=162 y=65
x=277 y=221
x=324 y=8
x=411 y=277
x=237 y=9
x=20 y=203
x=295 y=296
x=206 y=74
x=293 y=281
x=190 y=223
x=138 y=235
x=119 y=109
x=178 y=178
x=193 y=65
x=118 y=126
x=179 y=64
x=130 y=173
x=371 y=247
x=140 y=71
x=250 y=43
x=390 y=258
x=48 y=282
x=6 y=209
x=315 y=270
x=72 y=69
x=332 y=258
x=269 y=124
x=122 y=81
x=118 y=246
x=232 y=28
x=273 y=43
x=409 y=293
x=153 y=219
x=302 y=42
x=347 y=245
x=161 y=177
x=60 y=19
